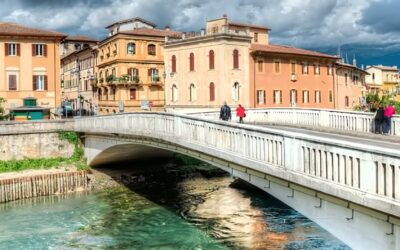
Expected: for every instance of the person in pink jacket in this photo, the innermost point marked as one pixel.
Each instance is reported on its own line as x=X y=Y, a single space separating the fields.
x=240 y=112
x=387 y=118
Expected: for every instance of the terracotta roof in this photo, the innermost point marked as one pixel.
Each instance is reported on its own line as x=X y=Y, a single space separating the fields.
x=152 y=32
x=248 y=25
x=19 y=30
x=386 y=68
x=281 y=49
x=132 y=20
x=345 y=65
x=80 y=38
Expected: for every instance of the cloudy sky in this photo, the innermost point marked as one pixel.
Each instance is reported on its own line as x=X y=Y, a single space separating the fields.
x=303 y=23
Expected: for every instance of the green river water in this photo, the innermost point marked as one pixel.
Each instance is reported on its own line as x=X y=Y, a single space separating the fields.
x=174 y=207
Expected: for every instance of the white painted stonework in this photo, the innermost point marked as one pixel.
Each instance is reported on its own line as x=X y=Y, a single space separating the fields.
x=326 y=179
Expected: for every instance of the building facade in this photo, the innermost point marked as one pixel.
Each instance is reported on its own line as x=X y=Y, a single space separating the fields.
x=29 y=65
x=351 y=88
x=283 y=76
x=383 y=79
x=206 y=69
x=78 y=83
x=130 y=68
x=234 y=62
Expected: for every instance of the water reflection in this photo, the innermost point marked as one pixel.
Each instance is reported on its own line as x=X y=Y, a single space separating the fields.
x=165 y=207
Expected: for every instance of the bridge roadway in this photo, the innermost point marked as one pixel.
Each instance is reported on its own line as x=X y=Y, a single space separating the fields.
x=348 y=185
x=376 y=140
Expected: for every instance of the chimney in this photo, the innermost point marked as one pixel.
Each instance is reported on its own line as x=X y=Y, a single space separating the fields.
x=225 y=16
x=167 y=28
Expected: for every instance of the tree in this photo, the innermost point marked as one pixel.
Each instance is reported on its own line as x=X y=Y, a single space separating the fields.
x=2 y=110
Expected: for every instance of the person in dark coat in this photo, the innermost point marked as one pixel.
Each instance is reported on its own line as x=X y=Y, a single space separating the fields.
x=379 y=120
x=225 y=112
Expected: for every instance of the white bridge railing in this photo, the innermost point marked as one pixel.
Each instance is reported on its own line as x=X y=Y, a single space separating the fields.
x=322 y=118
x=365 y=174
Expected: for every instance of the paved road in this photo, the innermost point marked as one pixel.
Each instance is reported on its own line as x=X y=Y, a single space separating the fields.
x=383 y=141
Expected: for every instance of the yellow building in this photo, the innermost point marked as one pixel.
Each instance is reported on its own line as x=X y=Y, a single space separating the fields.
x=383 y=79
x=130 y=66
x=29 y=65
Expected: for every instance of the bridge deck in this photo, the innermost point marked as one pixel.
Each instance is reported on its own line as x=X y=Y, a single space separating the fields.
x=383 y=141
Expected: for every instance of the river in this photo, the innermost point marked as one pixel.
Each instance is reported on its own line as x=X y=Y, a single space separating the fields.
x=173 y=205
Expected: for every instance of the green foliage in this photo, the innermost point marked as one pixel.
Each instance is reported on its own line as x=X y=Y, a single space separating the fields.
x=76 y=159
x=186 y=160
x=2 y=110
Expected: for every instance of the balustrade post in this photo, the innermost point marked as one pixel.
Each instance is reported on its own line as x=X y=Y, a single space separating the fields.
x=323 y=118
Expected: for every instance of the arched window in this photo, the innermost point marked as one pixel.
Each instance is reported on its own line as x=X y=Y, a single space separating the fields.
x=211 y=59
x=293 y=97
x=132 y=94
x=174 y=93
x=191 y=59
x=235 y=59
x=151 y=49
x=192 y=93
x=173 y=62
x=235 y=92
x=212 y=92
x=114 y=72
x=131 y=48
x=346 y=101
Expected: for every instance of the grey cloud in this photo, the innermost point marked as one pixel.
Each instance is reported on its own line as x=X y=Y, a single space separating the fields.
x=382 y=17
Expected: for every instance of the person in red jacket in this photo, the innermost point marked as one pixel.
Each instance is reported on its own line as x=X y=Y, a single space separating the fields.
x=387 y=118
x=240 y=112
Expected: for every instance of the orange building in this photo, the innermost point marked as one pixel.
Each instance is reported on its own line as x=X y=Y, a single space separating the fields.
x=130 y=66
x=284 y=76
x=29 y=65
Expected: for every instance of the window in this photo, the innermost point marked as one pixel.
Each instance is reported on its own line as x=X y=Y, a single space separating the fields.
x=317 y=97
x=12 y=49
x=293 y=67
x=191 y=62
x=113 y=92
x=260 y=66
x=373 y=76
x=212 y=92
x=305 y=69
x=153 y=74
x=211 y=59
x=316 y=69
x=346 y=101
x=260 y=96
x=255 y=37
x=330 y=69
x=235 y=92
x=151 y=49
x=100 y=94
x=305 y=96
x=173 y=62
x=132 y=94
x=330 y=96
x=131 y=48
x=293 y=97
x=345 y=78
x=192 y=93
x=236 y=59
x=174 y=96
x=40 y=82
x=133 y=74
x=12 y=82
x=39 y=49
x=277 y=96
x=277 y=66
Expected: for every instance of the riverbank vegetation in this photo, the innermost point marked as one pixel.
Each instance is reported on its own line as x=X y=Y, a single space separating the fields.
x=3 y=116
x=76 y=158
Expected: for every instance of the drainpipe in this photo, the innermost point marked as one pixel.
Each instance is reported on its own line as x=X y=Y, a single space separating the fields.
x=334 y=70
x=254 y=81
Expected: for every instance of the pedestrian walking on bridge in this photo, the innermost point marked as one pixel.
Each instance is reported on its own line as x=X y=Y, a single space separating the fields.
x=225 y=112
x=241 y=113
x=387 y=118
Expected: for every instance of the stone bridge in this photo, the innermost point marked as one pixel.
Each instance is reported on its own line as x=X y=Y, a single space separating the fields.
x=349 y=186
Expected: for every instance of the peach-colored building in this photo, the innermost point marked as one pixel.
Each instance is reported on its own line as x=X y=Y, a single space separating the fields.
x=29 y=65
x=350 y=86
x=207 y=68
x=385 y=79
x=130 y=66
